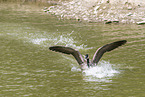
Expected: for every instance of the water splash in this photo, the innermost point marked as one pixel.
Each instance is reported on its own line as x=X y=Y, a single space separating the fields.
x=67 y=40
x=39 y=40
x=103 y=72
x=61 y=39
x=75 y=69
x=45 y=40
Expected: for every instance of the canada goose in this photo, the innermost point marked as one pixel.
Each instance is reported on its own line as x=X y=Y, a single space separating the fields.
x=98 y=54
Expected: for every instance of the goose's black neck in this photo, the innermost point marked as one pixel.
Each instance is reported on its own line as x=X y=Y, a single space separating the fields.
x=87 y=57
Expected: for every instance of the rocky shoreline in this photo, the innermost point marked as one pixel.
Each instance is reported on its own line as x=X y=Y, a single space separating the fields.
x=102 y=11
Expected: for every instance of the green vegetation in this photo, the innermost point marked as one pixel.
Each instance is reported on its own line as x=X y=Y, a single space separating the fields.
x=36 y=2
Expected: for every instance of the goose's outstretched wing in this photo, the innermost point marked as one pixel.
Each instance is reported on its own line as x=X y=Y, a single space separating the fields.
x=68 y=50
x=106 y=48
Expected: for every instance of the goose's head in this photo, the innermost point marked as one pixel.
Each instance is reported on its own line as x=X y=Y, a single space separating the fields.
x=86 y=64
x=87 y=59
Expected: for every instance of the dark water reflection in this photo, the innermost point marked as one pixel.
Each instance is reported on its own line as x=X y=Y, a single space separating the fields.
x=28 y=68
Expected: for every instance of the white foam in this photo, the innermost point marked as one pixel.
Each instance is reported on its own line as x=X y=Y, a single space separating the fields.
x=56 y=39
x=39 y=40
x=75 y=69
x=46 y=40
x=66 y=40
x=102 y=72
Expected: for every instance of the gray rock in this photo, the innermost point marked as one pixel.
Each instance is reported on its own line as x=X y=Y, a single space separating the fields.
x=108 y=22
x=140 y=23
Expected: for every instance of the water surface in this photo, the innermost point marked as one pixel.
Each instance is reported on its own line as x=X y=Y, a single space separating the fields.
x=28 y=68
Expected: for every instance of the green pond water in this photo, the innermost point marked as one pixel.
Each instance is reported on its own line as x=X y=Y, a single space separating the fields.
x=28 y=68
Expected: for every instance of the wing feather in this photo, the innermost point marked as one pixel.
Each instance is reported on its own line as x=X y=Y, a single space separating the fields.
x=68 y=50
x=106 y=48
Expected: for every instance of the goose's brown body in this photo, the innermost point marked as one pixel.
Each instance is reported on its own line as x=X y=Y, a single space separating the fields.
x=97 y=56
